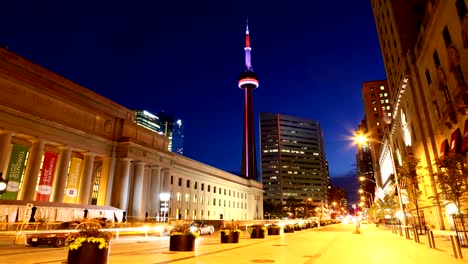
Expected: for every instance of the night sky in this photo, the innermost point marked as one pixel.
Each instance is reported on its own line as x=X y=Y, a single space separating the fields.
x=185 y=57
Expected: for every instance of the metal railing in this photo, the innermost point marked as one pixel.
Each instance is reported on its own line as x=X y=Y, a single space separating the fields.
x=461 y=227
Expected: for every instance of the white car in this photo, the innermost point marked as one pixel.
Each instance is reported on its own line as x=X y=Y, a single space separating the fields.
x=202 y=228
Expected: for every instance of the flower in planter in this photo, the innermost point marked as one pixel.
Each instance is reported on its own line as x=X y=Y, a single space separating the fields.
x=182 y=228
x=88 y=232
x=228 y=227
x=256 y=227
x=274 y=226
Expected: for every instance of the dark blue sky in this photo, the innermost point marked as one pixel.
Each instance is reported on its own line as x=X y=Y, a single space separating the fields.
x=185 y=57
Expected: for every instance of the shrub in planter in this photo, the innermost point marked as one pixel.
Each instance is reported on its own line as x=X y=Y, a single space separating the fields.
x=89 y=245
x=274 y=230
x=181 y=237
x=289 y=228
x=230 y=232
x=257 y=231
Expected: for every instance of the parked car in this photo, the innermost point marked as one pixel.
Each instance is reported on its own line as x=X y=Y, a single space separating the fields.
x=53 y=237
x=202 y=228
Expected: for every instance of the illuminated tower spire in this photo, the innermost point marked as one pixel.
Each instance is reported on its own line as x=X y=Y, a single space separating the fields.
x=248 y=82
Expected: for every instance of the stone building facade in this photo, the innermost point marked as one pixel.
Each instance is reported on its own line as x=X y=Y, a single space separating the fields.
x=64 y=146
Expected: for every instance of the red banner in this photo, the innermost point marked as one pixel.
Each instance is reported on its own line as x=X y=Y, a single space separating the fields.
x=47 y=177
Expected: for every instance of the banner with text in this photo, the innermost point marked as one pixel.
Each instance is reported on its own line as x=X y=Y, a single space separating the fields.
x=47 y=176
x=73 y=180
x=15 y=171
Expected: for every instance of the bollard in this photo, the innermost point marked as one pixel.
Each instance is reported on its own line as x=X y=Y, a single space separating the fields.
x=407 y=234
x=432 y=238
x=456 y=247
x=400 y=230
x=429 y=240
x=416 y=234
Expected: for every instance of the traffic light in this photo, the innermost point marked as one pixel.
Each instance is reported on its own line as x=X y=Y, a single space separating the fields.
x=3 y=184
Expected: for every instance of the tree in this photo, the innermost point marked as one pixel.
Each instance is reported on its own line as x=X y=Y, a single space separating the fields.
x=409 y=178
x=272 y=209
x=385 y=206
x=451 y=179
x=293 y=205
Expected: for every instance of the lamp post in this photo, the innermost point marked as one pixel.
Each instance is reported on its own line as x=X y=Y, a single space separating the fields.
x=362 y=139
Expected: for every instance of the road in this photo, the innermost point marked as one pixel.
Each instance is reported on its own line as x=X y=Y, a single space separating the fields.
x=325 y=245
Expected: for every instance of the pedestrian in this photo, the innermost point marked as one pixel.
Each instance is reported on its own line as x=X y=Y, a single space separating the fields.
x=357 y=225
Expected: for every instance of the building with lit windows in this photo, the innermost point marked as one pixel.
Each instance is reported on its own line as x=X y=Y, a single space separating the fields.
x=365 y=163
x=173 y=129
x=64 y=148
x=378 y=113
x=424 y=46
x=293 y=162
x=148 y=120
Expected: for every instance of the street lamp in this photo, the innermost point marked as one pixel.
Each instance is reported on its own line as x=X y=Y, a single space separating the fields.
x=361 y=191
x=3 y=184
x=360 y=139
x=362 y=178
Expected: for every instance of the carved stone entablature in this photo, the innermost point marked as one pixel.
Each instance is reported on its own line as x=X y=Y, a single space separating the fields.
x=449 y=116
x=453 y=57
x=442 y=77
x=464 y=26
x=461 y=100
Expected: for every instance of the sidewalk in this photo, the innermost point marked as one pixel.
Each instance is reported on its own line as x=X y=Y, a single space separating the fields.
x=325 y=245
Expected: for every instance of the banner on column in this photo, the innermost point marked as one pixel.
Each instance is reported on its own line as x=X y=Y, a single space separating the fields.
x=15 y=171
x=71 y=190
x=47 y=176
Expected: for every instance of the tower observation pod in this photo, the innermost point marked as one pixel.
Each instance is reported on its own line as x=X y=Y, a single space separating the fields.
x=248 y=81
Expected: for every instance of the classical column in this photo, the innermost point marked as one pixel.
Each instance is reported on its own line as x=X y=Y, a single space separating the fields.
x=108 y=170
x=121 y=183
x=86 y=178
x=155 y=190
x=32 y=170
x=62 y=174
x=137 y=197
x=146 y=189
x=166 y=181
x=166 y=191
x=5 y=141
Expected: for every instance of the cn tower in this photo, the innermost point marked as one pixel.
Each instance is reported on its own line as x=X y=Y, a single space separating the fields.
x=248 y=82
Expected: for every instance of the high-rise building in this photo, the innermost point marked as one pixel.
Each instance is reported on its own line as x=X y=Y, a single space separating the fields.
x=364 y=163
x=424 y=46
x=164 y=124
x=378 y=113
x=173 y=128
x=248 y=82
x=148 y=120
x=293 y=159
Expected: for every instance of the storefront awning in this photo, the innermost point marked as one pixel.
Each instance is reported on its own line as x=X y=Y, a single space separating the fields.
x=455 y=142
x=465 y=137
x=444 y=148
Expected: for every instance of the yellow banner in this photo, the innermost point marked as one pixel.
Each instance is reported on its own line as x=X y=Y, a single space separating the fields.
x=73 y=180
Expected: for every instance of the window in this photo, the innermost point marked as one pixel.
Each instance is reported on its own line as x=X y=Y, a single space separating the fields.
x=172 y=179
x=459 y=76
x=195 y=198
x=447 y=38
x=179 y=196
x=428 y=77
x=214 y=189
x=436 y=58
x=220 y=190
x=188 y=183
x=180 y=181
x=187 y=197
x=202 y=186
x=224 y=191
x=461 y=8
x=214 y=201
x=209 y=188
